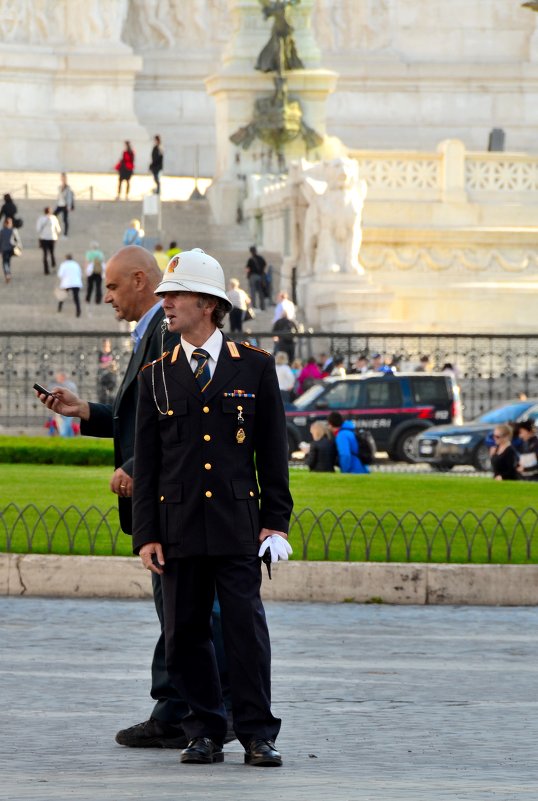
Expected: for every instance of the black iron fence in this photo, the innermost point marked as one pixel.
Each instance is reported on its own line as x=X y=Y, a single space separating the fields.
x=508 y=536
x=490 y=369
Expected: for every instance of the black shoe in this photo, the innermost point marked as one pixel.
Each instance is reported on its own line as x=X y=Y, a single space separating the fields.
x=153 y=734
x=202 y=751
x=262 y=753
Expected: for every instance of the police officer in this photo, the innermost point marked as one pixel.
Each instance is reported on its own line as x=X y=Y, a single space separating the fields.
x=211 y=484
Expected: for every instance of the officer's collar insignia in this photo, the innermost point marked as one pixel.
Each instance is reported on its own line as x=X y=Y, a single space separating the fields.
x=175 y=354
x=234 y=353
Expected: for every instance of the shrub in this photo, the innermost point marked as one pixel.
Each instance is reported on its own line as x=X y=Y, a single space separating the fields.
x=56 y=450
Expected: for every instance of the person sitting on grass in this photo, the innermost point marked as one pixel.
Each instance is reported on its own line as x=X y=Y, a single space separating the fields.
x=347 y=446
x=321 y=457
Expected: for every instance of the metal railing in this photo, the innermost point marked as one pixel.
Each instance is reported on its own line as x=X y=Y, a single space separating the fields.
x=489 y=369
x=507 y=536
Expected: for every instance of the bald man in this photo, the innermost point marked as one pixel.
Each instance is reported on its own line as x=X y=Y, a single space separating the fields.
x=132 y=275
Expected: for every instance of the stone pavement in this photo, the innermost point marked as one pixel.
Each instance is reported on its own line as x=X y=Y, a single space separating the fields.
x=379 y=703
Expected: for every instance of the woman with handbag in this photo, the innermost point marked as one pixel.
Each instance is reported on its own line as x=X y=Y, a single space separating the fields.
x=10 y=245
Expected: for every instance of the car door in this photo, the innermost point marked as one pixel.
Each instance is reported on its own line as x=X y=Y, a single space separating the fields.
x=380 y=408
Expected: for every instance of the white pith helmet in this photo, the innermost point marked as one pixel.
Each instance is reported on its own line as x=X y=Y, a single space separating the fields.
x=194 y=271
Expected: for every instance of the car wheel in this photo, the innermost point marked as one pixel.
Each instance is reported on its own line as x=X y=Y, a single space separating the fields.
x=442 y=467
x=406 y=447
x=481 y=458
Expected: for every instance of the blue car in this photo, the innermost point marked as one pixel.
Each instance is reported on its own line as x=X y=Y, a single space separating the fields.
x=444 y=447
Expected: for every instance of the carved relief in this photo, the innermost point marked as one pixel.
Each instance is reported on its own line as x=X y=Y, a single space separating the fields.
x=444 y=259
x=75 y=22
x=346 y=24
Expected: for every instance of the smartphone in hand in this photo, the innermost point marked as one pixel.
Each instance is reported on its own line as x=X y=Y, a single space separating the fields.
x=42 y=390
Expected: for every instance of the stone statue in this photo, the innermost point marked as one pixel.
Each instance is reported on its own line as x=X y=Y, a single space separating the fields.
x=277 y=121
x=332 y=232
x=279 y=54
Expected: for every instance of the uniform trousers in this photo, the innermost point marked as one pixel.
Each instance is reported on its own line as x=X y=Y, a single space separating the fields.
x=188 y=586
x=170 y=706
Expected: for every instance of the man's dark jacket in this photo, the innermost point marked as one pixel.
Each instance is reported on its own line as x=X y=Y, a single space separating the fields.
x=117 y=420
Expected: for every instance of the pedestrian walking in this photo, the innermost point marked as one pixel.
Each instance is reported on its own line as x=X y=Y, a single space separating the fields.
x=255 y=273
x=65 y=202
x=240 y=303
x=48 y=231
x=157 y=161
x=125 y=169
x=10 y=245
x=70 y=278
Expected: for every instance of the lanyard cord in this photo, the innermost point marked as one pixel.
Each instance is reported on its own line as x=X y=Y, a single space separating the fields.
x=164 y=328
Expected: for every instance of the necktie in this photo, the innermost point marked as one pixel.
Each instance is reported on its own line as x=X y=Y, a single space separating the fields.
x=202 y=374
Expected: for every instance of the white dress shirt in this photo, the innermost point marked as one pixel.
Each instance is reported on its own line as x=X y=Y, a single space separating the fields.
x=213 y=346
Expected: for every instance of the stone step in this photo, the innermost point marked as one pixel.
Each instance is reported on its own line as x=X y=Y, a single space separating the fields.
x=28 y=302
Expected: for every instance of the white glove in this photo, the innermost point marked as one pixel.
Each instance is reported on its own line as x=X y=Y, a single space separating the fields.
x=279 y=547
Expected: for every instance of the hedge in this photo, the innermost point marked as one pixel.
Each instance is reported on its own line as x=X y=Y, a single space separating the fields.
x=56 y=450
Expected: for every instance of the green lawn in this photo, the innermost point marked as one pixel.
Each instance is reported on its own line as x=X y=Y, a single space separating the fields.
x=387 y=516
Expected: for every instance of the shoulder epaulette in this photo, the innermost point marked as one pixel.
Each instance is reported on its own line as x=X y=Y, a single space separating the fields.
x=155 y=361
x=253 y=347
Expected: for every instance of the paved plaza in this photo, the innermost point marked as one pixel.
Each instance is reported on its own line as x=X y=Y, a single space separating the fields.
x=379 y=703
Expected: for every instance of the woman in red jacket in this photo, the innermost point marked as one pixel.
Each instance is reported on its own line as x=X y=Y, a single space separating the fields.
x=125 y=168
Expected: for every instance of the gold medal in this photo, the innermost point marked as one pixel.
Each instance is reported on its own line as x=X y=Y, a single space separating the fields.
x=240 y=436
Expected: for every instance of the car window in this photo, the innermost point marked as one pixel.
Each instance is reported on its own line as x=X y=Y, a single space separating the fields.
x=381 y=393
x=430 y=390
x=343 y=395
x=531 y=414
x=309 y=396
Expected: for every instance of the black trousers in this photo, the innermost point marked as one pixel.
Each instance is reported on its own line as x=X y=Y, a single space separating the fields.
x=76 y=300
x=236 y=319
x=170 y=706
x=188 y=591
x=47 y=246
x=94 y=282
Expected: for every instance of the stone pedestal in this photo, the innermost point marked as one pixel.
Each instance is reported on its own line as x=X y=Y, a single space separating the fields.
x=344 y=303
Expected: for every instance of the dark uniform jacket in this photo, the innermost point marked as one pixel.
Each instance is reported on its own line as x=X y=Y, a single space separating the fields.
x=118 y=419
x=196 y=487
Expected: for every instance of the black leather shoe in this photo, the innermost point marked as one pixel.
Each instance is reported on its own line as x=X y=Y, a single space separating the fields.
x=262 y=753
x=202 y=751
x=153 y=734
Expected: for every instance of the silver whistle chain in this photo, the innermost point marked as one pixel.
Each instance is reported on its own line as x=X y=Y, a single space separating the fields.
x=164 y=326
